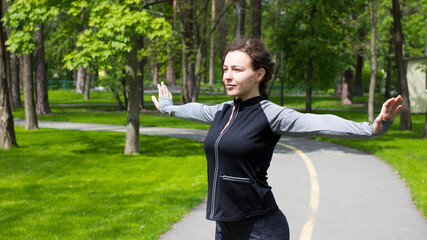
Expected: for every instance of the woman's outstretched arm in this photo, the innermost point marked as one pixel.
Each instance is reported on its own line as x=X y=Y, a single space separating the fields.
x=191 y=111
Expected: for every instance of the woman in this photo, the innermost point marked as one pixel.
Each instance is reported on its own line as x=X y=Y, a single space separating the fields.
x=242 y=137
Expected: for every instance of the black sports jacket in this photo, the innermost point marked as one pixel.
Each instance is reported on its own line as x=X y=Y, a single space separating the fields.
x=240 y=145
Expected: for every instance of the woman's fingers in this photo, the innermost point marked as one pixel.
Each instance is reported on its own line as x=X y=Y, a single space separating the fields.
x=391 y=108
x=156 y=103
x=163 y=91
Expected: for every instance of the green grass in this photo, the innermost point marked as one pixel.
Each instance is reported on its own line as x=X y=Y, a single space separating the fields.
x=71 y=97
x=62 y=184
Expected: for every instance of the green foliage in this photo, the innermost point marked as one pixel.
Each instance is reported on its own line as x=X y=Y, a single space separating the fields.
x=62 y=184
x=110 y=28
x=317 y=31
x=21 y=17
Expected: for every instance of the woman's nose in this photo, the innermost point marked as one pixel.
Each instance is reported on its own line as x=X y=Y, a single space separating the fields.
x=227 y=74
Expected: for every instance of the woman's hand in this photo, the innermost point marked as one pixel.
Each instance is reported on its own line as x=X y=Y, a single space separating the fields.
x=389 y=112
x=163 y=91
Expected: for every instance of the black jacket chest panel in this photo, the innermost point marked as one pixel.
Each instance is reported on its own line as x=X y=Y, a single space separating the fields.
x=238 y=158
x=246 y=144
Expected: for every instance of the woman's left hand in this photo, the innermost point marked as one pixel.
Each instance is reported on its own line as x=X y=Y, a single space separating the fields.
x=163 y=91
x=389 y=112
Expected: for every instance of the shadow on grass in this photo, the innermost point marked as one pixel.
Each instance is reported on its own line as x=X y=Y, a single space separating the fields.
x=67 y=184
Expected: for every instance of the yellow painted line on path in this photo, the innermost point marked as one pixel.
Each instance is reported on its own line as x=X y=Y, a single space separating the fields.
x=307 y=230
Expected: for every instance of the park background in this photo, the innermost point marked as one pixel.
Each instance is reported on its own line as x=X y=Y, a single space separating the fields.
x=98 y=61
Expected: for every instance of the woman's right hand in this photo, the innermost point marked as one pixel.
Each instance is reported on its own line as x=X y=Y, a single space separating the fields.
x=163 y=92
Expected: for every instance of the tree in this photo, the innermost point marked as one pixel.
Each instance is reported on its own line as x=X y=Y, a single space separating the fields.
x=405 y=114
x=132 y=126
x=42 y=104
x=16 y=89
x=212 y=47
x=7 y=129
x=313 y=39
x=81 y=78
x=31 y=122
x=240 y=18
x=113 y=29
x=347 y=85
x=170 y=70
x=22 y=18
x=193 y=42
x=256 y=18
x=373 y=4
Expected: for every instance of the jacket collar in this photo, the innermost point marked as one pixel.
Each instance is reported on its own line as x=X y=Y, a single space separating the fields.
x=248 y=102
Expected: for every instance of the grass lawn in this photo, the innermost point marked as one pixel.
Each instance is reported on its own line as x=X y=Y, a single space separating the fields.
x=62 y=184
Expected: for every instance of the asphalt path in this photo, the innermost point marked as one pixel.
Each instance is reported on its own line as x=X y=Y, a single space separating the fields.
x=326 y=191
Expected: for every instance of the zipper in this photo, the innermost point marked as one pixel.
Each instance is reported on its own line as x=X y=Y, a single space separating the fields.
x=215 y=177
x=235 y=179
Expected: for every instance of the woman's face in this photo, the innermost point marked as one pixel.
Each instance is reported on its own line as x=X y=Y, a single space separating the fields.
x=239 y=78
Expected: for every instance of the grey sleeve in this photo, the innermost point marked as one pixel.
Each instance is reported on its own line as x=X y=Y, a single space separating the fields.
x=196 y=112
x=286 y=121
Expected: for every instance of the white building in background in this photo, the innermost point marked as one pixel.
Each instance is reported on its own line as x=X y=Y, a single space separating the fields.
x=417 y=84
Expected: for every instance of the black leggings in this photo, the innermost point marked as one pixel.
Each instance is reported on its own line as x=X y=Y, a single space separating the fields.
x=271 y=226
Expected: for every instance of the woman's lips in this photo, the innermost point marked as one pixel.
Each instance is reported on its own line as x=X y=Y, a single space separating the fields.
x=229 y=86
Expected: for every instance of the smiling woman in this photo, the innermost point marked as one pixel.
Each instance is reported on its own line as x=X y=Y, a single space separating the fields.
x=242 y=136
x=247 y=64
x=240 y=80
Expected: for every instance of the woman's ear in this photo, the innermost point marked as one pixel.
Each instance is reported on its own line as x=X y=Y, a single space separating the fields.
x=260 y=74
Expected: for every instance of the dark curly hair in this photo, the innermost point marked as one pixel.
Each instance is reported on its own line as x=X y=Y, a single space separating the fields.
x=261 y=58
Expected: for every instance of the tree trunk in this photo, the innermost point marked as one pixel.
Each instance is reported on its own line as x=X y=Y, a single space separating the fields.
x=389 y=69
x=87 y=86
x=203 y=42
x=358 y=89
x=425 y=127
x=155 y=67
x=347 y=88
x=16 y=89
x=274 y=54
x=338 y=87
x=200 y=69
x=42 y=104
x=240 y=18
x=75 y=73
x=170 y=70
x=30 y=107
x=141 y=66
x=119 y=102
x=405 y=113
x=310 y=65
x=81 y=77
x=222 y=30
x=189 y=51
x=308 y=91
x=132 y=126
x=256 y=18
x=7 y=128
x=212 y=49
x=373 y=62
